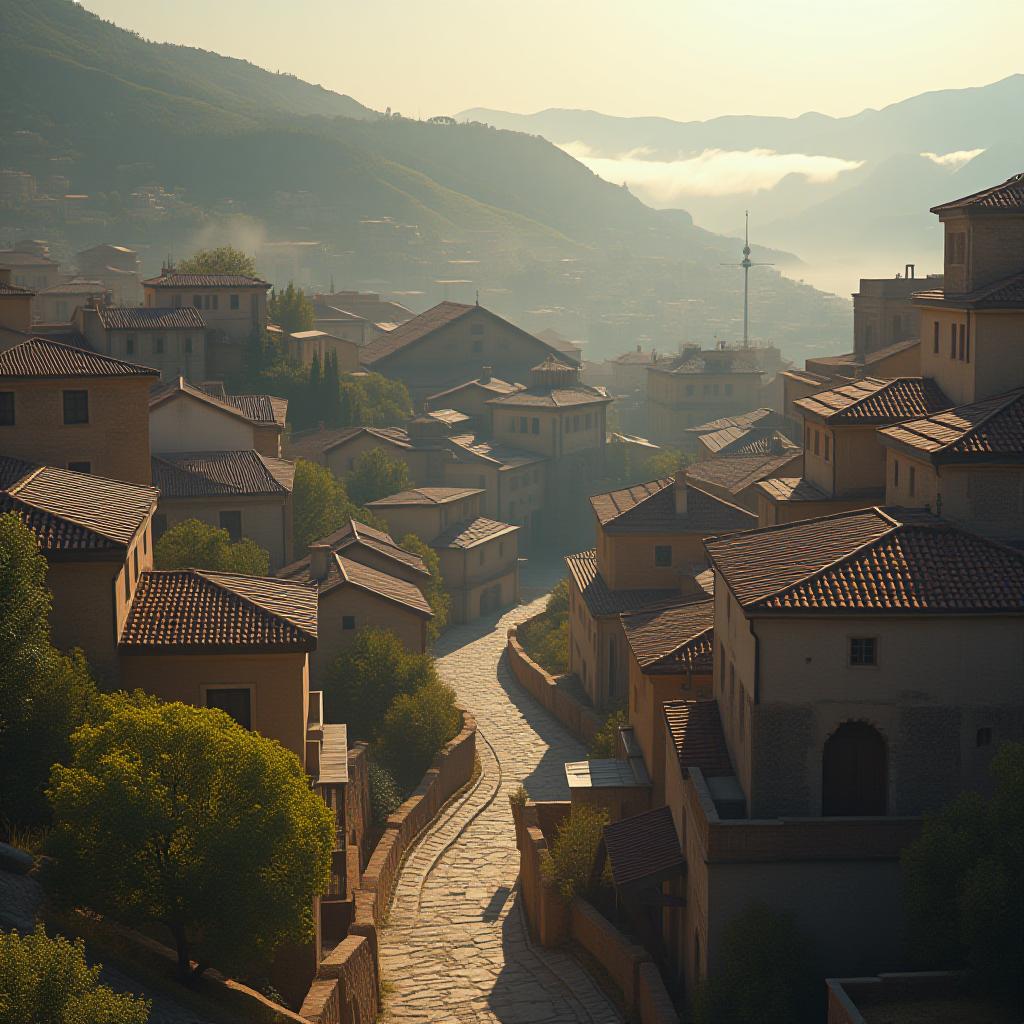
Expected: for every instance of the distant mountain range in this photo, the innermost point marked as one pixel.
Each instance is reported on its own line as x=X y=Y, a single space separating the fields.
x=900 y=160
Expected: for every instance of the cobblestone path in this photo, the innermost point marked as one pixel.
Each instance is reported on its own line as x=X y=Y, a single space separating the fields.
x=456 y=946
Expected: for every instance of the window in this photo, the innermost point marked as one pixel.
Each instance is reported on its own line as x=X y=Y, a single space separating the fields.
x=348 y=622
x=714 y=388
x=983 y=737
x=522 y=425
x=234 y=302
x=129 y=344
x=6 y=408
x=967 y=357
x=236 y=702
x=728 y=389
x=689 y=390
x=127 y=586
x=535 y=425
x=197 y=301
x=895 y=473
x=76 y=407
x=232 y=522
x=216 y=300
x=817 y=442
x=828 y=444
x=145 y=540
x=135 y=564
x=863 y=651
x=80 y=467
x=952 y=341
x=807 y=439
x=935 y=338
x=962 y=338
x=512 y=424
x=188 y=344
x=159 y=526
x=912 y=481
x=478 y=344
x=575 y=423
x=158 y=346
x=662 y=555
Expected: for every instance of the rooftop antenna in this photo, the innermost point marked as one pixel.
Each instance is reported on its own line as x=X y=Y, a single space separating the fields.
x=746 y=263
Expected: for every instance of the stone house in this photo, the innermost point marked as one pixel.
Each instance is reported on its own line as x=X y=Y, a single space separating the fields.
x=471 y=398
x=380 y=314
x=903 y=359
x=353 y=596
x=57 y=304
x=479 y=565
x=186 y=418
x=243 y=492
x=844 y=460
x=339 y=450
x=428 y=352
x=96 y=536
x=15 y=309
x=117 y=267
x=733 y=478
x=303 y=346
x=70 y=407
x=797 y=384
x=427 y=511
x=30 y=268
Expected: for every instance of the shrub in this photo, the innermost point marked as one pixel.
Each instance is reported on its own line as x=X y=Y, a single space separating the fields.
x=570 y=866
x=436 y=593
x=518 y=797
x=376 y=475
x=385 y=796
x=606 y=740
x=546 y=638
x=368 y=675
x=197 y=545
x=767 y=973
x=417 y=725
x=46 y=980
x=321 y=505
x=225 y=259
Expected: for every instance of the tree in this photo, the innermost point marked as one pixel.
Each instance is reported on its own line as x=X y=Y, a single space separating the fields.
x=606 y=740
x=332 y=391
x=372 y=400
x=193 y=544
x=47 y=981
x=963 y=881
x=376 y=475
x=546 y=637
x=436 y=592
x=291 y=310
x=767 y=972
x=44 y=694
x=570 y=865
x=225 y=259
x=416 y=726
x=368 y=675
x=177 y=815
x=321 y=505
x=315 y=404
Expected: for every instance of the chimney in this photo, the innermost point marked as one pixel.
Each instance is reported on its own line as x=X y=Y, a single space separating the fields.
x=679 y=492
x=319 y=554
x=485 y=375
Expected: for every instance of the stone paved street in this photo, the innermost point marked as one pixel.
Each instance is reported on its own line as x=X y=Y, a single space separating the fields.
x=456 y=946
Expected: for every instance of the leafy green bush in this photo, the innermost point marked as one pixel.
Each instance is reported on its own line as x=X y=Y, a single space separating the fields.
x=606 y=740
x=46 y=980
x=225 y=259
x=376 y=475
x=320 y=505
x=368 y=675
x=417 y=725
x=197 y=545
x=546 y=638
x=290 y=309
x=767 y=973
x=436 y=593
x=963 y=882
x=385 y=796
x=570 y=864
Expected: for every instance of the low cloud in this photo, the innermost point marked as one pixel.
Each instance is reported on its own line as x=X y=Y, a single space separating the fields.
x=715 y=172
x=955 y=159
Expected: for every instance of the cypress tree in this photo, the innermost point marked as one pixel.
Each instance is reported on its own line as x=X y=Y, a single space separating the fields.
x=332 y=411
x=314 y=407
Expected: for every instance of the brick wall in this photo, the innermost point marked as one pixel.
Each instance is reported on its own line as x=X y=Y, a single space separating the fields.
x=579 y=719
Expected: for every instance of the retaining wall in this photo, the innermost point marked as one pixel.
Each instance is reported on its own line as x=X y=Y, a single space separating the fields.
x=579 y=718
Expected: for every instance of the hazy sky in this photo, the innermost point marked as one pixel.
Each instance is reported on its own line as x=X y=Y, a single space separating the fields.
x=685 y=59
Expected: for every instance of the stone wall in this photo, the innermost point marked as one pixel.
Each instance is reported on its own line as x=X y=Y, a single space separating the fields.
x=552 y=922
x=582 y=721
x=846 y=994
x=347 y=986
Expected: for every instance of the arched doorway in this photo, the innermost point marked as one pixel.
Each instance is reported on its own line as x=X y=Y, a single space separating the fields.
x=854 y=777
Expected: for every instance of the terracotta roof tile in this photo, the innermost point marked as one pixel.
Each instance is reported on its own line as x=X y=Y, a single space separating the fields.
x=735 y=473
x=196 y=609
x=414 y=330
x=260 y=409
x=1008 y=195
x=384 y=585
x=988 y=431
x=14 y=289
x=355 y=534
x=747 y=441
x=171 y=279
x=599 y=598
x=672 y=637
x=150 y=318
x=696 y=730
x=552 y=398
x=763 y=417
x=644 y=846
x=42 y=357
x=791 y=488
x=469 y=445
x=470 y=532
x=425 y=496
x=211 y=474
x=873 y=400
x=650 y=508
x=493 y=385
x=1006 y=293
x=875 y=560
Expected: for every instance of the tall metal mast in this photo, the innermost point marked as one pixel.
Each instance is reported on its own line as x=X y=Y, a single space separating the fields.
x=746 y=263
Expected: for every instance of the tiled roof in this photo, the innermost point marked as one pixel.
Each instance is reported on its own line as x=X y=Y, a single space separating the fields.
x=470 y=532
x=873 y=400
x=874 y=560
x=1008 y=195
x=414 y=330
x=988 y=431
x=195 y=609
x=644 y=846
x=174 y=280
x=553 y=397
x=747 y=441
x=384 y=585
x=637 y=358
x=17 y=258
x=450 y=417
x=491 y=451
x=735 y=473
x=880 y=354
x=260 y=409
x=41 y=357
x=806 y=377
x=672 y=637
x=354 y=534
x=14 y=289
x=75 y=287
x=791 y=488
x=763 y=417
x=212 y=474
x=494 y=385
x=70 y=511
x=696 y=730
x=397 y=436
x=650 y=508
x=425 y=496
x=150 y=318
x=600 y=600
x=1006 y=293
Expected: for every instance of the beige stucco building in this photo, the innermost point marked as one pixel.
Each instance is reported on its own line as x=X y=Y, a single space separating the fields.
x=304 y=346
x=479 y=565
x=69 y=407
x=427 y=511
x=472 y=396
x=57 y=304
x=15 y=309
